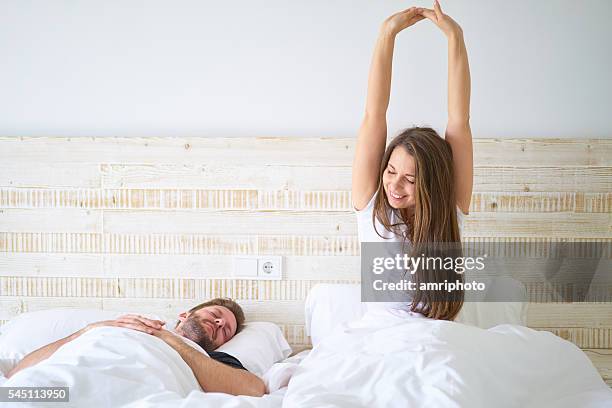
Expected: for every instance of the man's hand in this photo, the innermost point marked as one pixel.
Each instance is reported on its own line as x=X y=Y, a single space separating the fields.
x=145 y=325
x=130 y=321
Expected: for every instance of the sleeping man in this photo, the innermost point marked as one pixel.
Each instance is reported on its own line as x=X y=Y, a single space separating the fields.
x=208 y=325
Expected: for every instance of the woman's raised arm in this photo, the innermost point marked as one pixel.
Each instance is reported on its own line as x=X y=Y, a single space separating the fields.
x=458 y=131
x=372 y=136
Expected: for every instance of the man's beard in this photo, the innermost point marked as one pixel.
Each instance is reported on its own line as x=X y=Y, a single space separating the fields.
x=194 y=331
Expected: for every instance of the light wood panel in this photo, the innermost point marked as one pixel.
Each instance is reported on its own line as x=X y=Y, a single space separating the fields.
x=229 y=222
x=551 y=315
x=553 y=225
x=50 y=220
x=67 y=265
x=278 y=200
x=198 y=244
x=602 y=360
x=300 y=245
x=345 y=268
x=584 y=337
x=24 y=174
x=307 y=177
x=284 y=151
x=153 y=223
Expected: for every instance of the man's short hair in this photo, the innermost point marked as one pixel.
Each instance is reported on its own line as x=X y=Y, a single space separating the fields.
x=228 y=303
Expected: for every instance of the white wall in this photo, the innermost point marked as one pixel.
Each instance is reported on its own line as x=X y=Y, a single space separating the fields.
x=294 y=68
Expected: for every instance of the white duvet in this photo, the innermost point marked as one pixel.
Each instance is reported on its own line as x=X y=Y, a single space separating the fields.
x=118 y=367
x=380 y=361
x=399 y=361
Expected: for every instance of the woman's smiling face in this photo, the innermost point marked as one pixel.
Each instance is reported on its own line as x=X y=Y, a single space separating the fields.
x=398 y=179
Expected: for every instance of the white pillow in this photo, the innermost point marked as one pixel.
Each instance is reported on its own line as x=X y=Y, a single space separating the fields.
x=329 y=305
x=258 y=346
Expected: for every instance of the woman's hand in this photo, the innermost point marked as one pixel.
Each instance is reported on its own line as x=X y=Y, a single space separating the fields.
x=448 y=26
x=402 y=20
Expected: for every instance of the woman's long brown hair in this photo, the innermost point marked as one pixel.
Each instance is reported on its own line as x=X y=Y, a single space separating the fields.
x=434 y=220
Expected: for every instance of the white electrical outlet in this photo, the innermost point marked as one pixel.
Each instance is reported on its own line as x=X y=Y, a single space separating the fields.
x=269 y=267
x=258 y=267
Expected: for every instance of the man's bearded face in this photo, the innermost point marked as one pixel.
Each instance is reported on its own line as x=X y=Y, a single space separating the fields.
x=193 y=330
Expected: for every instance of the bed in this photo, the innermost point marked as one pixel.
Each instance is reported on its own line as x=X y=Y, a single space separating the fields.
x=363 y=356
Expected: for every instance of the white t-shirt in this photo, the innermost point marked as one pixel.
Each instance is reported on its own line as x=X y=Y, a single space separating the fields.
x=366 y=233
x=365 y=228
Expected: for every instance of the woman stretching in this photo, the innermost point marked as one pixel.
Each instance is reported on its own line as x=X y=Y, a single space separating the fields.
x=418 y=188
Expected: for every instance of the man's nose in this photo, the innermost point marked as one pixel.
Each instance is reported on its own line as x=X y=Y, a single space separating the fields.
x=220 y=322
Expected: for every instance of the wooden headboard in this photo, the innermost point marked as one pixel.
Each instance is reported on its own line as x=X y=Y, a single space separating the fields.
x=152 y=223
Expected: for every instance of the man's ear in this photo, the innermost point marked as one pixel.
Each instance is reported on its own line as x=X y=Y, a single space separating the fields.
x=182 y=316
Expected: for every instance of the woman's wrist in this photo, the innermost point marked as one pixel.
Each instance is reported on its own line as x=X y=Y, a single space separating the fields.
x=455 y=35
x=387 y=31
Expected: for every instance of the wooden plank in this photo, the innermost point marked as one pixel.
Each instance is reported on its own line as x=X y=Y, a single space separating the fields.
x=290 y=245
x=51 y=264
x=186 y=244
x=165 y=308
x=553 y=315
x=51 y=198
x=279 y=200
x=251 y=290
x=329 y=151
x=60 y=287
x=220 y=175
x=172 y=288
x=543 y=152
x=285 y=245
x=26 y=174
x=32 y=304
x=545 y=179
x=280 y=312
x=557 y=293
x=50 y=220
x=185 y=150
x=602 y=360
x=221 y=266
x=295 y=177
x=557 y=225
x=541 y=202
x=549 y=225
x=159 y=288
x=49 y=242
x=584 y=337
x=228 y=222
